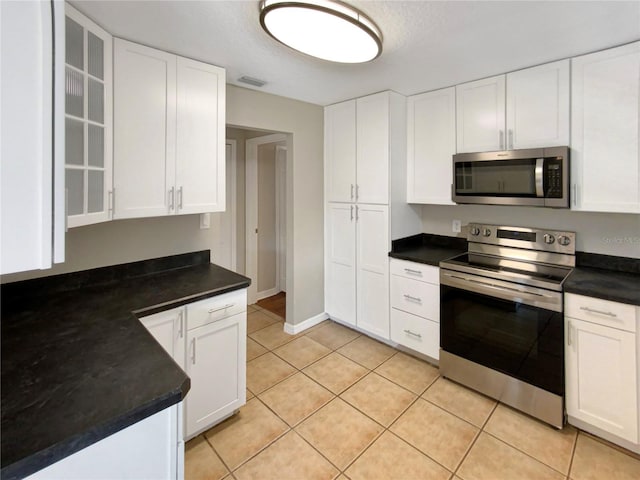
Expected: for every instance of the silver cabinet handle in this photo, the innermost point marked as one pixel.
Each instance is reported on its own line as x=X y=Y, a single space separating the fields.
x=415 y=299
x=412 y=271
x=569 y=340
x=352 y=213
x=352 y=191
x=501 y=134
x=357 y=191
x=193 y=351
x=511 y=139
x=409 y=332
x=575 y=195
x=111 y=202
x=180 y=198
x=357 y=216
x=600 y=312
x=229 y=305
x=171 y=198
x=181 y=330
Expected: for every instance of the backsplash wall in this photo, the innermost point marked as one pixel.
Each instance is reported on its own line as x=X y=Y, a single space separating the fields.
x=124 y=241
x=605 y=233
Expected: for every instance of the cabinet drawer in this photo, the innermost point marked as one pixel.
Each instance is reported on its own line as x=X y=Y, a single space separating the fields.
x=415 y=333
x=416 y=297
x=415 y=270
x=216 y=308
x=601 y=312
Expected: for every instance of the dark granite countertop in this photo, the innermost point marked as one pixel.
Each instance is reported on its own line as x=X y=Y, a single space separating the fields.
x=77 y=365
x=607 y=277
x=427 y=248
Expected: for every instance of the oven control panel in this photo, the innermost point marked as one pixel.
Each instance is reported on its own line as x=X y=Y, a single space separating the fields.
x=522 y=237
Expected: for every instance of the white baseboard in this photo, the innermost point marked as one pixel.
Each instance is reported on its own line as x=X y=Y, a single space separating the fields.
x=302 y=326
x=267 y=293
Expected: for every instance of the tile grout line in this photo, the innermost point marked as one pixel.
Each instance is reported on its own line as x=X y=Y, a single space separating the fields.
x=573 y=453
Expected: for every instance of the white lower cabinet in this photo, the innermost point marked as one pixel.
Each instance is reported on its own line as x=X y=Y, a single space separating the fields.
x=602 y=368
x=357 y=282
x=208 y=339
x=415 y=306
x=217 y=368
x=150 y=448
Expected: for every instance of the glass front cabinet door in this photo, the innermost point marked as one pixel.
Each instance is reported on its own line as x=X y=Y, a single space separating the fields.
x=88 y=121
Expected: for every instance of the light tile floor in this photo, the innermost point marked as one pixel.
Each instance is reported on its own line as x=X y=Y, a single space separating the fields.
x=333 y=404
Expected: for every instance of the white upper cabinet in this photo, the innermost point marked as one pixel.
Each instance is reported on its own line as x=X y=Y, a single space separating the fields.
x=200 y=156
x=340 y=151
x=524 y=109
x=144 y=130
x=168 y=133
x=32 y=139
x=431 y=144
x=361 y=141
x=605 y=111
x=88 y=120
x=538 y=106
x=480 y=115
x=372 y=148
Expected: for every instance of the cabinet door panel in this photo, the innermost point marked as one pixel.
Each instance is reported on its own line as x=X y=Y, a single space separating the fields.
x=144 y=130
x=372 y=152
x=340 y=151
x=168 y=328
x=602 y=393
x=480 y=115
x=538 y=106
x=200 y=160
x=341 y=262
x=431 y=146
x=373 y=269
x=605 y=120
x=216 y=364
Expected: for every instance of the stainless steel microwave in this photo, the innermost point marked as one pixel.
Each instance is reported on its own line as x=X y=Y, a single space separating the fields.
x=535 y=177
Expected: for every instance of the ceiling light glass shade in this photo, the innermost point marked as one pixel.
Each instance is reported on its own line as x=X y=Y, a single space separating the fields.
x=324 y=29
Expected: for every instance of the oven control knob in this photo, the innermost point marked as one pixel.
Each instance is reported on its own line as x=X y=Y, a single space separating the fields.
x=474 y=231
x=549 y=239
x=486 y=232
x=564 y=240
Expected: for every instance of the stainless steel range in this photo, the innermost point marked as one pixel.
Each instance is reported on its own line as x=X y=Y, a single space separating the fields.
x=501 y=317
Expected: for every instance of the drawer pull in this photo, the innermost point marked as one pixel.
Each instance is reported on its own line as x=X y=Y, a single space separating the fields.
x=193 y=354
x=591 y=310
x=414 y=299
x=413 y=334
x=213 y=310
x=181 y=317
x=412 y=271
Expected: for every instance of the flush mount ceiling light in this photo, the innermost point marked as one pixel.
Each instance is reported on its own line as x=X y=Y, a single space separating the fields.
x=325 y=29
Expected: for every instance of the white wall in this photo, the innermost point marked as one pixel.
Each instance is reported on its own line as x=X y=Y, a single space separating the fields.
x=123 y=241
x=605 y=233
x=303 y=123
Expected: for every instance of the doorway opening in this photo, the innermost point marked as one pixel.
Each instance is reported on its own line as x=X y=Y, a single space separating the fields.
x=266 y=215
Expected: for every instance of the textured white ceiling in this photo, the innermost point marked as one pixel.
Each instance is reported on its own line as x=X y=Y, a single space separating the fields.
x=427 y=44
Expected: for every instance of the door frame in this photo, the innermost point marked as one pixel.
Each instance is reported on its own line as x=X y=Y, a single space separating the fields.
x=251 y=188
x=281 y=218
x=232 y=208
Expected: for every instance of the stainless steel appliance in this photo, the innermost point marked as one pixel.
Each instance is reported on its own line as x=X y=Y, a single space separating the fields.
x=501 y=317
x=535 y=177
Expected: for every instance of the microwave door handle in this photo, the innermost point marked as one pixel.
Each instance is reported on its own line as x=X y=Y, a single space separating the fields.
x=539 y=177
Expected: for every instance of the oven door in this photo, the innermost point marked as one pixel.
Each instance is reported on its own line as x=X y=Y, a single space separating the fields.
x=481 y=321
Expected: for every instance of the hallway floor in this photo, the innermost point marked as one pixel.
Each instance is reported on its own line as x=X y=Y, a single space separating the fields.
x=275 y=304
x=331 y=403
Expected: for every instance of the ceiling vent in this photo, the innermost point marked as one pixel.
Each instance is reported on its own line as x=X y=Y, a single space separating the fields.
x=252 y=81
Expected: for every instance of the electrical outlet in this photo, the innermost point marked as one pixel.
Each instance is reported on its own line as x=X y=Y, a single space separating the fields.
x=456 y=226
x=205 y=221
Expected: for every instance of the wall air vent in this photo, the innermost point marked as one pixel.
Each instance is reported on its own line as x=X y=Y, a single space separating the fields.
x=252 y=81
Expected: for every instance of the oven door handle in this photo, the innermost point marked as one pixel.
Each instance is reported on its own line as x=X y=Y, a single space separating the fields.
x=539 y=177
x=550 y=301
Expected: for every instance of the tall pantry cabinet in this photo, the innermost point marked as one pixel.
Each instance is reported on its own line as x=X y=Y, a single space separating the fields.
x=365 y=192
